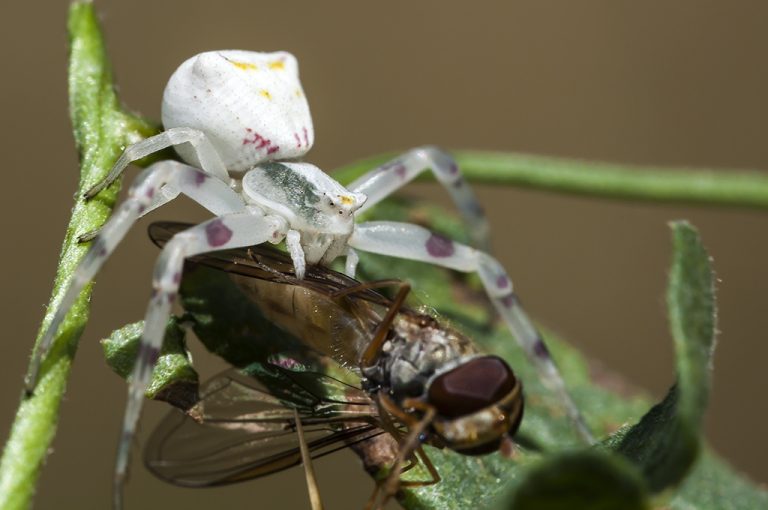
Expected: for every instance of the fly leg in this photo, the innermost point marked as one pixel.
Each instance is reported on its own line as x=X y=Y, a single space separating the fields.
x=146 y=192
x=410 y=444
x=225 y=232
x=430 y=468
x=209 y=159
x=381 y=182
x=390 y=408
x=413 y=242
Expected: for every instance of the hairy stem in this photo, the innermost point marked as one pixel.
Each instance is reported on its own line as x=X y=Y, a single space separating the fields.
x=607 y=180
x=101 y=130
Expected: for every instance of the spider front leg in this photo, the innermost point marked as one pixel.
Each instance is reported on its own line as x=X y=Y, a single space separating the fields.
x=208 y=159
x=381 y=182
x=145 y=194
x=413 y=242
x=230 y=231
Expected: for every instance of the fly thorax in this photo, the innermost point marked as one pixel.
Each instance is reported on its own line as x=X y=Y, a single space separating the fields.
x=418 y=349
x=311 y=201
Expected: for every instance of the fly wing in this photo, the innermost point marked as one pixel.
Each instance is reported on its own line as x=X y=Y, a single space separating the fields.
x=244 y=427
x=308 y=309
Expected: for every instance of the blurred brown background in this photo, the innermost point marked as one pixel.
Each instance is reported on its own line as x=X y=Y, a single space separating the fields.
x=663 y=83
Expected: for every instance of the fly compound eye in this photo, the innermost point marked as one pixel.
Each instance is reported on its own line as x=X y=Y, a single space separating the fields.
x=472 y=386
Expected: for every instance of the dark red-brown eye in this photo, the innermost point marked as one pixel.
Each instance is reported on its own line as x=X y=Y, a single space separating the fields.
x=472 y=386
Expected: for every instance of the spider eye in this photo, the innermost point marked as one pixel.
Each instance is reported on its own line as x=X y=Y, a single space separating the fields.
x=470 y=387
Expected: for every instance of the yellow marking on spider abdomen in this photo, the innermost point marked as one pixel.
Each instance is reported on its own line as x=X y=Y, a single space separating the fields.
x=245 y=66
x=347 y=200
x=266 y=94
x=277 y=65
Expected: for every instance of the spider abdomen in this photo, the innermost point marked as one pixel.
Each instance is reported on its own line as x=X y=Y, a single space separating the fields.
x=250 y=105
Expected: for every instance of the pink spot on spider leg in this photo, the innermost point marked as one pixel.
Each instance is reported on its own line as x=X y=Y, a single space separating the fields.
x=453 y=169
x=439 y=246
x=508 y=301
x=540 y=349
x=217 y=233
x=148 y=355
x=298 y=140
x=476 y=209
x=387 y=166
x=306 y=137
x=502 y=281
x=200 y=178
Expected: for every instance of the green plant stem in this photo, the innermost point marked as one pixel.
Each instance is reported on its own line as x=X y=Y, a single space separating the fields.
x=101 y=131
x=713 y=187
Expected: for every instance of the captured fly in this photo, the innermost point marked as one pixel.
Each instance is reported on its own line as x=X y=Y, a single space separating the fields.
x=418 y=380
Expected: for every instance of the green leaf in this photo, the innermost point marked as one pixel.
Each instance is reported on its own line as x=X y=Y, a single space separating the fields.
x=691 y=305
x=173 y=379
x=714 y=485
x=587 y=480
x=666 y=442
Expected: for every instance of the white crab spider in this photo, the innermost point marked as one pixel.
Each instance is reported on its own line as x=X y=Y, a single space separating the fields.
x=239 y=120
